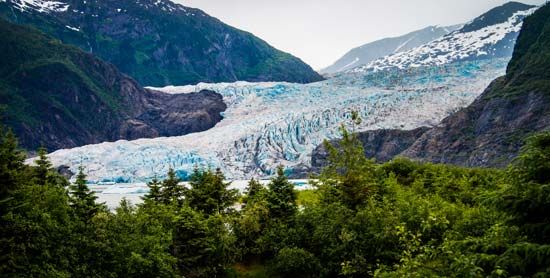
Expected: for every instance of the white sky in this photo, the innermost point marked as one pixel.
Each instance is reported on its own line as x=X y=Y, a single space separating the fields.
x=321 y=31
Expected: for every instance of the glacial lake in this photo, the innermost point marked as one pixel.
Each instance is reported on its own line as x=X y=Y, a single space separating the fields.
x=112 y=194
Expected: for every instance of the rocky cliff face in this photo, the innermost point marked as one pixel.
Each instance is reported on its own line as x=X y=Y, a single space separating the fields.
x=158 y=42
x=382 y=145
x=491 y=130
x=60 y=97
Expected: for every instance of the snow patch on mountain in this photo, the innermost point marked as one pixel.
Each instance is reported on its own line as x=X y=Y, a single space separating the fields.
x=369 y=52
x=456 y=46
x=73 y=28
x=42 y=6
x=270 y=124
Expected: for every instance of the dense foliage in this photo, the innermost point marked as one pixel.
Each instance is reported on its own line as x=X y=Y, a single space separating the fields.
x=398 y=219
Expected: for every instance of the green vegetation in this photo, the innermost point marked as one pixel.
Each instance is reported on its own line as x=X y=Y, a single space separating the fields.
x=398 y=219
x=43 y=81
x=529 y=70
x=33 y=54
x=158 y=47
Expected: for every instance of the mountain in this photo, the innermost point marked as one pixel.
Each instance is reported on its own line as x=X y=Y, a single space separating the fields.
x=369 y=52
x=58 y=96
x=491 y=130
x=492 y=35
x=277 y=123
x=158 y=42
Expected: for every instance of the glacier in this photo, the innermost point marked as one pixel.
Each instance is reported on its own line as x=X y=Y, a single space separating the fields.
x=276 y=123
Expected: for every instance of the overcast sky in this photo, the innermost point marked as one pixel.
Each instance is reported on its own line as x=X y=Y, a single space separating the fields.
x=321 y=31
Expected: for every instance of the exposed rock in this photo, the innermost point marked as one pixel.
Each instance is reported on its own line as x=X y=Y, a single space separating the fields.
x=65 y=171
x=491 y=131
x=382 y=145
x=488 y=133
x=60 y=97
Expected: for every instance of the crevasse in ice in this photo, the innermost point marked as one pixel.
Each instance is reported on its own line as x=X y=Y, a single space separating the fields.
x=270 y=124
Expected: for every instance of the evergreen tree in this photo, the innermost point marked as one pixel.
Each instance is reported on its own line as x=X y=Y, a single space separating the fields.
x=350 y=177
x=527 y=197
x=155 y=191
x=202 y=244
x=43 y=171
x=83 y=200
x=11 y=164
x=209 y=192
x=281 y=199
x=254 y=188
x=254 y=191
x=172 y=191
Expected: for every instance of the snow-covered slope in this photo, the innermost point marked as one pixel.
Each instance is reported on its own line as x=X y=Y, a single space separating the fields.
x=41 y=6
x=492 y=35
x=267 y=124
x=369 y=52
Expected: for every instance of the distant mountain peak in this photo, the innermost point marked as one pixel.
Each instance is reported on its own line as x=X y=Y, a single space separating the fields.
x=369 y=52
x=497 y=15
x=492 y=35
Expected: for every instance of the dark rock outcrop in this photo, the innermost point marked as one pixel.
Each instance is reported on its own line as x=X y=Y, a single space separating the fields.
x=58 y=96
x=382 y=145
x=488 y=133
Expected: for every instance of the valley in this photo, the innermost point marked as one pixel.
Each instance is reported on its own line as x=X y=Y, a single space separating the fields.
x=145 y=138
x=268 y=124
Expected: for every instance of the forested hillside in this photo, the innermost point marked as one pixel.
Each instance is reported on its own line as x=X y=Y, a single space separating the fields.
x=159 y=42
x=398 y=219
x=57 y=96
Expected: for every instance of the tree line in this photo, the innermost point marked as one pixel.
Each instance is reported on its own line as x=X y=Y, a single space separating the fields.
x=397 y=219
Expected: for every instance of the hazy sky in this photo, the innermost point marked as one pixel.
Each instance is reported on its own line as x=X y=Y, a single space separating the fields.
x=321 y=31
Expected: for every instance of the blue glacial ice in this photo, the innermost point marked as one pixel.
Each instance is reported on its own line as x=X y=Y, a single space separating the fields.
x=270 y=124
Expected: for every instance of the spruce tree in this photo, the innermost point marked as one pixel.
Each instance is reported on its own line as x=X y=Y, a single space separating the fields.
x=11 y=163
x=209 y=192
x=281 y=198
x=43 y=170
x=155 y=191
x=527 y=197
x=254 y=191
x=350 y=175
x=172 y=192
x=83 y=200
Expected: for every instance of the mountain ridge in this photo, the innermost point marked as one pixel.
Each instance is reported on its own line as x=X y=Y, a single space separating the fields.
x=90 y=100
x=491 y=131
x=489 y=36
x=371 y=51
x=158 y=42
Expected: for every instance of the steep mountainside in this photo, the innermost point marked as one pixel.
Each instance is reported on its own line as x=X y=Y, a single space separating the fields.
x=371 y=51
x=158 y=42
x=490 y=131
x=59 y=96
x=492 y=35
x=382 y=145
